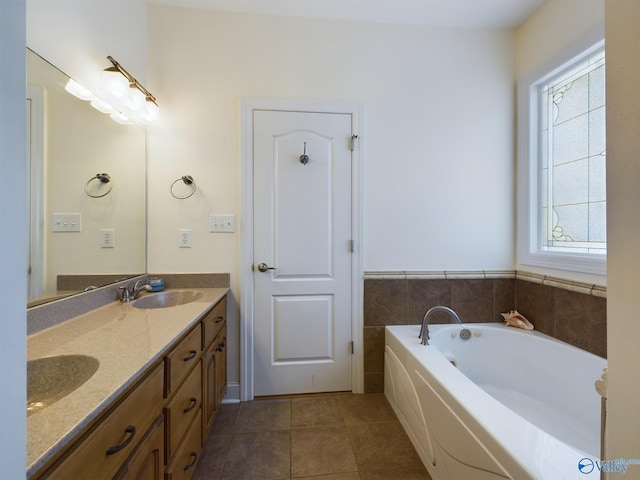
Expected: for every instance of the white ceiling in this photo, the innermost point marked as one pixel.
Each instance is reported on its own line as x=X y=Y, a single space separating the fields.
x=460 y=13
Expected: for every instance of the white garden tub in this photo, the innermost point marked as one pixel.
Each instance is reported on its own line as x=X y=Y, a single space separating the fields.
x=506 y=403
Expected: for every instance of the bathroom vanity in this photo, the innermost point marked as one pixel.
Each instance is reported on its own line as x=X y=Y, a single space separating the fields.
x=148 y=408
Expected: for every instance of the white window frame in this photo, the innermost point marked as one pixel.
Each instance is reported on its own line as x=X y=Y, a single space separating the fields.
x=529 y=235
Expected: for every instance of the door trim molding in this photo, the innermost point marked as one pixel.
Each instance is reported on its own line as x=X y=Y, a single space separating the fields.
x=355 y=109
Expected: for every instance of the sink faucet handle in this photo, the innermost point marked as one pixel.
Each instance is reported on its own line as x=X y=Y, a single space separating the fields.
x=125 y=295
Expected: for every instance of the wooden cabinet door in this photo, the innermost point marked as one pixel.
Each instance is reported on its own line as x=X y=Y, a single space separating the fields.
x=147 y=463
x=221 y=366
x=209 y=407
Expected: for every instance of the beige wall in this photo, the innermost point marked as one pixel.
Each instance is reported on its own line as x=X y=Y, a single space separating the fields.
x=623 y=198
x=77 y=36
x=554 y=26
x=437 y=139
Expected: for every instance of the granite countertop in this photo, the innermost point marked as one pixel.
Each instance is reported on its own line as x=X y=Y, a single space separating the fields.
x=126 y=341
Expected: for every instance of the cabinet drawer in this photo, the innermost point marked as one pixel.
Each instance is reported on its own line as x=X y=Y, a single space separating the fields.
x=213 y=322
x=182 y=359
x=184 y=462
x=105 y=449
x=181 y=410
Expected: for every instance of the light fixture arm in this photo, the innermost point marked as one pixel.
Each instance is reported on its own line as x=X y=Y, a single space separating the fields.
x=132 y=81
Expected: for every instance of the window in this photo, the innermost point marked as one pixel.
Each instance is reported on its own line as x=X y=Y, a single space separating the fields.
x=562 y=168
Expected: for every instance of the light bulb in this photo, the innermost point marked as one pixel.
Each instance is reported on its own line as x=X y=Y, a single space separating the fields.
x=137 y=99
x=114 y=83
x=77 y=90
x=101 y=105
x=121 y=118
x=151 y=112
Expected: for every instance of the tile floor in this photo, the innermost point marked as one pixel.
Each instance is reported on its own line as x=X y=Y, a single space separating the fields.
x=333 y=437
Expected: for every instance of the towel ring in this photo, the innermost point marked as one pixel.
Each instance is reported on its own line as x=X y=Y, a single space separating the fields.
x=187 y=180
x=102 y=178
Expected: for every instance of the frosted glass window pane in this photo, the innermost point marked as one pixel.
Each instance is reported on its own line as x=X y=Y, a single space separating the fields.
x=597 y=179
x=597 y=129
x=596 y=88
x=572 y=158
x=598 y=222
x=572 y=100
x=573 y=220
x=571 y=140
x=571 y=183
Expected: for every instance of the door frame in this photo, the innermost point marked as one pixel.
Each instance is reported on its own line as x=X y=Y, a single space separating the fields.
x=37 y=276
x=249 y=105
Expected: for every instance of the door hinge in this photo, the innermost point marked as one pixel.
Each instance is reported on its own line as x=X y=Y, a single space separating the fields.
x=352 y=246
x=352 y=348
x=354 y=138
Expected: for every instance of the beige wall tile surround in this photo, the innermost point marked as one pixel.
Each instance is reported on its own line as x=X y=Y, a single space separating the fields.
x=572 y=312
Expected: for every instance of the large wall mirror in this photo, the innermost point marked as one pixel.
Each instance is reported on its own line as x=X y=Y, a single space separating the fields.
x=84 y=231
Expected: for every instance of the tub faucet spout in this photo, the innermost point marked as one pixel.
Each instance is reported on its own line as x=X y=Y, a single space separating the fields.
x=424 y=330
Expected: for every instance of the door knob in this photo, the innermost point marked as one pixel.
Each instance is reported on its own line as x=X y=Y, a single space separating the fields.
x=263 y=267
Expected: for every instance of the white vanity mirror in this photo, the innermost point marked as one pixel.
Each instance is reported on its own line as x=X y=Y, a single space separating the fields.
x=86 y=230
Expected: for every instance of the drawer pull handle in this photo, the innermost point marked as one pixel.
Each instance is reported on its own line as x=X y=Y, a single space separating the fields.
x=191 y=356
x=219 y=319
x=220 y=346
x=131 y=430
x=194 y=403
x=194 y=455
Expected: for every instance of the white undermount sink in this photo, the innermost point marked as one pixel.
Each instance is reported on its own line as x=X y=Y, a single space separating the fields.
x=167 y=299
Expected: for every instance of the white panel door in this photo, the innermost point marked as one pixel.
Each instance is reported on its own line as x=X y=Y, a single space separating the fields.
x=302 y=233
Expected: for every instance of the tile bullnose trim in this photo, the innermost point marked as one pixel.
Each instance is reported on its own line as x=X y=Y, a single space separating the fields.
x=439 y=274
x=571 y=285
x=385 y=275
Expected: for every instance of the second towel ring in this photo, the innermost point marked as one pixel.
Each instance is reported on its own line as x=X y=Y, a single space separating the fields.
x=187 y=180
x=102 y=178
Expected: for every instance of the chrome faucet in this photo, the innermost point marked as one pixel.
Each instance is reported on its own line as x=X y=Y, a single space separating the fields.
x=127 y=295
x=424 y=330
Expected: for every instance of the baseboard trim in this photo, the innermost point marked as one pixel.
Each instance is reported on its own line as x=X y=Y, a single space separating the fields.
x=233 y=393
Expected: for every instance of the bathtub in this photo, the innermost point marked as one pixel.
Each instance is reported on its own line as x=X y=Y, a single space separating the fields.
x=506 y=403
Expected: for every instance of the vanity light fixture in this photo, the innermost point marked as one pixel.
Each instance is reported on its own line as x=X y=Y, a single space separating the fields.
x=123 y=97
x=136 y=102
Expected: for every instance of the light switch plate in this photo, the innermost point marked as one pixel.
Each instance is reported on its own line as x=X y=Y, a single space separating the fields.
x=66 y=222
x=222 y=223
